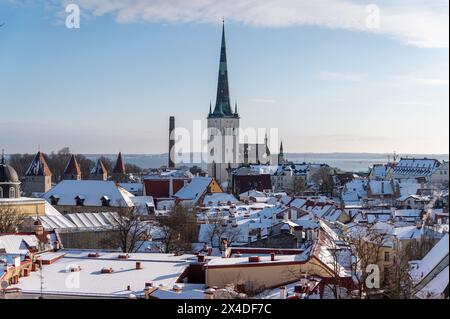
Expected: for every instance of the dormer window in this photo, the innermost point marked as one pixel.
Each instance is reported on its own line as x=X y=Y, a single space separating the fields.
x=105 y=201
x=54 y=199
x=79 y=200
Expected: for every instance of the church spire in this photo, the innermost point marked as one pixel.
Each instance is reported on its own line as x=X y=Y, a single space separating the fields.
x=281 y=154
x=223 y=105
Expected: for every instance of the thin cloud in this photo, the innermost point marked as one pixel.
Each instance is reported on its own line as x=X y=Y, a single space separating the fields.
x=335 y=76
x=417 y=23
x=264 y=101
x=422 y=81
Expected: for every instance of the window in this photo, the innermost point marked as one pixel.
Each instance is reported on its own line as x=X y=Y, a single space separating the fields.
x=12 y=192
x=387 y=256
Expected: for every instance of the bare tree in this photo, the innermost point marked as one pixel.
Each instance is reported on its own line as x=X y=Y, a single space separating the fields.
x=367 y=244
x=10 y=220
x=217 y=228
x=179 y=229
x=131 y=231
x=323 y=178
x=299 y=186
x=397 y=279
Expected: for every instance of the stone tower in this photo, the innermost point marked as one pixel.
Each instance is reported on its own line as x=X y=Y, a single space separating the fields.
x=72 y=170
x=38 y=177
x=223 y=126
x=119 y=173
x=99 y=172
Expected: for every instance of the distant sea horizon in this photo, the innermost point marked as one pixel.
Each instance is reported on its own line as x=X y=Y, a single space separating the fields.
x=357 y=162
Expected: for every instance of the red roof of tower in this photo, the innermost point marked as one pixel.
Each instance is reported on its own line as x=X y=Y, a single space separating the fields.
x=120 y=165
x=99 y=168
x=72 y=167
x=38 y=166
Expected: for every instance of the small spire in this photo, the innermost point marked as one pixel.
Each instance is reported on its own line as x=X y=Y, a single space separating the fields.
x=3 y=157
x=210 y=107
x=235 y=108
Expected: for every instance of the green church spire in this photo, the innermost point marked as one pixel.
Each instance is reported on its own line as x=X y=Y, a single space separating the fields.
x=223 y=105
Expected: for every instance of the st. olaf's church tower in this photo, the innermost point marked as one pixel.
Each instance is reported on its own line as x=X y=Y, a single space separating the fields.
x=223 y=148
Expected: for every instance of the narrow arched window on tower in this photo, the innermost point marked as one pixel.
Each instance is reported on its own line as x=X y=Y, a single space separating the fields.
x=1 y=192
x=12 y=192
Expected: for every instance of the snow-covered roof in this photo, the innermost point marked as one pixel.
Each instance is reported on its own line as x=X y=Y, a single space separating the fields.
x=159 y=269
x=252 y=193
x=195 y=189
x=438 y=253
x=143 y=204
x=435 y=287
x=17 y=244
x=381 y=188
x=94 y=220
x=133 y=187
x=175 y=173
x=217 y=198
x=415 y=167
x=56 y=222
x=91 y=191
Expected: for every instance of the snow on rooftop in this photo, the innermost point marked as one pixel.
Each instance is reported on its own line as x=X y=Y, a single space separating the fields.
x=239 y=261
x=17 y=244
x=159 y=269
x=431 y=260
x=217 y=198
x=91 y=191
x=436 y=286
x=195 y=189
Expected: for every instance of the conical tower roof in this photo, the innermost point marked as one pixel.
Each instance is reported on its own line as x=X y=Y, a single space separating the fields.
x=38 y=166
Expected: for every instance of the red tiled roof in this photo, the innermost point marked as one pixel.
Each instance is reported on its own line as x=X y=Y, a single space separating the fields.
x=38 y=166
x=119 y=168
x=72 y=167
x=99 y=168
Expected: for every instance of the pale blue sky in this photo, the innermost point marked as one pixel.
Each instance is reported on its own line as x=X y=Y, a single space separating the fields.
x=328 y=84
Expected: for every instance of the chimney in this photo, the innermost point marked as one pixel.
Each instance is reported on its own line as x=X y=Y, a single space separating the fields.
x=272 y=257
x=171 y=142
x=253 y=259
x=201 y=258
x=138 y=265
x=38 y=228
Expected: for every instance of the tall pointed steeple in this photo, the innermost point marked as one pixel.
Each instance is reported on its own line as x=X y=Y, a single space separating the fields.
x=223 y=104
x=281 y=154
